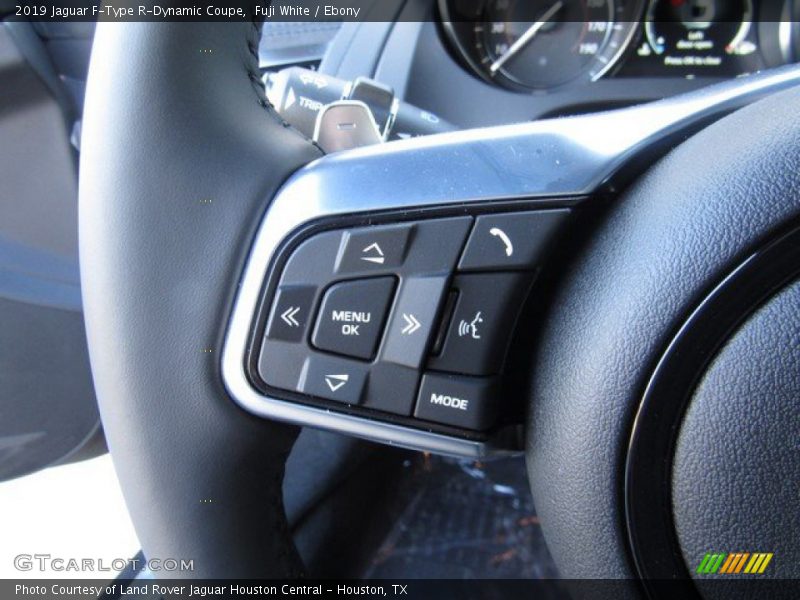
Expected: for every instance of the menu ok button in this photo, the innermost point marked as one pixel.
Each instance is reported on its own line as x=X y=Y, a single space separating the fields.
x=352 y=315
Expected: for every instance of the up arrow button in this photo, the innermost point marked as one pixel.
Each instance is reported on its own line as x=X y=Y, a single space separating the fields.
x=373 y=254
x=368 y=249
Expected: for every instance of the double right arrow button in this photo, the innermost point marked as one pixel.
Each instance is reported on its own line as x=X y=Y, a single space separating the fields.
x=411 y=323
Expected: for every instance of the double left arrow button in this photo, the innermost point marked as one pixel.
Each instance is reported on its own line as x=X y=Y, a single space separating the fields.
x=290 y=313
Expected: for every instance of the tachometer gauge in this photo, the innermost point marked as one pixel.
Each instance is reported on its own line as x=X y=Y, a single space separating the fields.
x=540 y=44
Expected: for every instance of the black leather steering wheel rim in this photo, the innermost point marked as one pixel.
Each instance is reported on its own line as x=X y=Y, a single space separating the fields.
x=180 y=155
x=675 y=235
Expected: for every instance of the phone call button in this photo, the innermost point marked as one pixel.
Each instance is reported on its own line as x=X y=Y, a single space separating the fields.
x=511 y=240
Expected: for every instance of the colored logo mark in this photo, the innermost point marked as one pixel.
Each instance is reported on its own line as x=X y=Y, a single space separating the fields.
x=734 y=562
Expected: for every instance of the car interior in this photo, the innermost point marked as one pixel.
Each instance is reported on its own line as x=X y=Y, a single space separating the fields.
x=445 y=290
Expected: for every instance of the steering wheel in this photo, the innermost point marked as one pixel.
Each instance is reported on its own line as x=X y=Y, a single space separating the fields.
x=662 y=369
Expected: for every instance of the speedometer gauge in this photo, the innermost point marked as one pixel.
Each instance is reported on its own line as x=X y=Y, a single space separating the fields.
x=541 y=44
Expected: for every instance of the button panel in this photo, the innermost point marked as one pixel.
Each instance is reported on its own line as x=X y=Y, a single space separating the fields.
x=410 y=320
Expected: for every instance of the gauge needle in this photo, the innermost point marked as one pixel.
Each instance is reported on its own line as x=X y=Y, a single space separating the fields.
x=526 y=37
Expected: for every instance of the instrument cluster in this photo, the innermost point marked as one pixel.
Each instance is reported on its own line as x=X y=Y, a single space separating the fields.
x=529 y=45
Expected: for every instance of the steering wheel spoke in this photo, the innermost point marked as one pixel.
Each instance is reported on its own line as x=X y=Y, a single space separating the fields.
x=524 y=178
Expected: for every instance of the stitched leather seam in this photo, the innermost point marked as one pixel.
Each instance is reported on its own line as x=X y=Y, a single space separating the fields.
x=287 y=555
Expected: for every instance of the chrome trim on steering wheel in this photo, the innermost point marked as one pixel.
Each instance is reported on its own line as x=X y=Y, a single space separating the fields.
x=544 y=160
